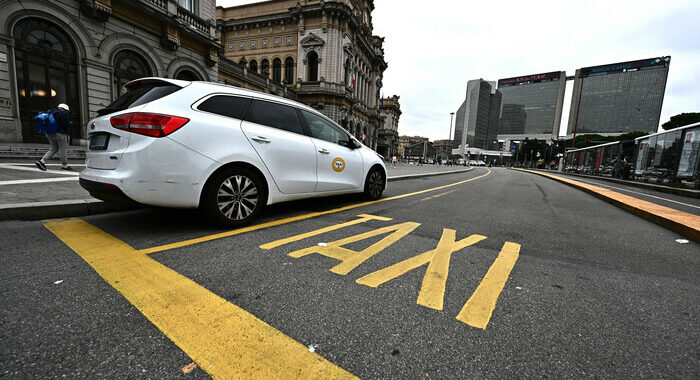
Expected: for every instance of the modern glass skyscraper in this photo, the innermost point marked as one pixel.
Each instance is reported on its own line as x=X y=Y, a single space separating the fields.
x=619 y=97
x=476 y=122
x=532 y=104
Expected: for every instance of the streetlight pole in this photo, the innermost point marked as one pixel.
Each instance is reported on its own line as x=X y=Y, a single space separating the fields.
x=449 y=149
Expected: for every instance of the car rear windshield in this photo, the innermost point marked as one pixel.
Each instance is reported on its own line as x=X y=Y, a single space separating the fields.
x=140 y=93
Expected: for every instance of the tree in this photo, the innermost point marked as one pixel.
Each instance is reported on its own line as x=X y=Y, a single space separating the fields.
x=681 y=120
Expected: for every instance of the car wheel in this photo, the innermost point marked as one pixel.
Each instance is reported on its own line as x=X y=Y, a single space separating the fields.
x=374 y=186
x=234 y=197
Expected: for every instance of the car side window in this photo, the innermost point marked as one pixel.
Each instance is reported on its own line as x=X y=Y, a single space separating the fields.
x=274 y=115
x=224 y=105
x=325 y=130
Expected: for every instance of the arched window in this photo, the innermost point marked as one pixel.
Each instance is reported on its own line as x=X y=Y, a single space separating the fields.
x=289 y=70
x=254 y=66
x=277 y=70
x=265 y=68
x=312 y=64
x=128 y=65
x=46 y=72
x=347 y=72
x=187 y=74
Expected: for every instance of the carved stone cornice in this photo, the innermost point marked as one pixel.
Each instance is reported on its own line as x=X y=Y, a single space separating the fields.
x=99 y=10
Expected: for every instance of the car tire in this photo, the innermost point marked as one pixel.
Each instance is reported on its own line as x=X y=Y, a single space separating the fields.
x=375 y=184
x=234 y=197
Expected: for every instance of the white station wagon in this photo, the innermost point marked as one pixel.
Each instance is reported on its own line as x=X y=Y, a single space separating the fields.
x=225 y=150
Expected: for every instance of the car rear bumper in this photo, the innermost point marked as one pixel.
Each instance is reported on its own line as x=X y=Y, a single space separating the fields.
x=106 y=192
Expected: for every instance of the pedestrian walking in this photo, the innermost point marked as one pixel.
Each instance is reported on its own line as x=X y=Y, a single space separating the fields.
x=57 y=124
x=393 y=161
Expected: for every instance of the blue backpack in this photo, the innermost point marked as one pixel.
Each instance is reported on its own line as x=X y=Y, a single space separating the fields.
x=45 y=123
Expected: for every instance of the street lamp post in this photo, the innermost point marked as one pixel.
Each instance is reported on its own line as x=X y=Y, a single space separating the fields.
x=449 y=138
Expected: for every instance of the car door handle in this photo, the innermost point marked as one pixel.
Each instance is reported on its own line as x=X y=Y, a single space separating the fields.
x=261 y=139
x=323 y=151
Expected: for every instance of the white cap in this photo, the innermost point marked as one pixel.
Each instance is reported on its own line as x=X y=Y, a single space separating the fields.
x=64 y=106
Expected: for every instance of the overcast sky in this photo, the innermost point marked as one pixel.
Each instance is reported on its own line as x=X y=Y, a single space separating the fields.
x=432 y=51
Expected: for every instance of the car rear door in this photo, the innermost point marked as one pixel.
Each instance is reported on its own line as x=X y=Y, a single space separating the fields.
x=340 y=165
x=277 y=135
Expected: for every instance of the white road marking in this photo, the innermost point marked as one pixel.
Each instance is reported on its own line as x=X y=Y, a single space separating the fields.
x=31 y=164
x=36 y=170
x=637 y=192
x=39 y=180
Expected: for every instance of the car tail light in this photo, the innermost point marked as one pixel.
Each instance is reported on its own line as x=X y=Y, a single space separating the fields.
x=148 y=124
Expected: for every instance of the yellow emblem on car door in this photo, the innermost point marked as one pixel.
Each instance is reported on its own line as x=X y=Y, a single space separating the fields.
x=338 y=164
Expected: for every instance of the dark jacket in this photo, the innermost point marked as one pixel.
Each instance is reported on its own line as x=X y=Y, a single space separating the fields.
x=62 y=120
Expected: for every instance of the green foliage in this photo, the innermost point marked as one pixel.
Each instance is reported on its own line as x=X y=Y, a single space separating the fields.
x=681 y=120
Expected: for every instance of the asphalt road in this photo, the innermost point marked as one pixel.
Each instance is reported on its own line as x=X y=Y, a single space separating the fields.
x=595 y=291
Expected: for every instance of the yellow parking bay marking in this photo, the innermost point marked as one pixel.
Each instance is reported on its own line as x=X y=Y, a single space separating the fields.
x=363 y=218
x=279 y=222
x=432 y=290
x=223 y=339
x=477 y=311
x=350 y=259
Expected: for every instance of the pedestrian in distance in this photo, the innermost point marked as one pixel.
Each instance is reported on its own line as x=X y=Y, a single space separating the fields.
x=393 y=161
x=55 y=124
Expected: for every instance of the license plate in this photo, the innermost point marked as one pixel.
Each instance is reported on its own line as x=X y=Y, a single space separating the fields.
x=99 y=141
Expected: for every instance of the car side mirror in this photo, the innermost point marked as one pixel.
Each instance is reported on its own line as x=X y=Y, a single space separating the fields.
x=351 y=143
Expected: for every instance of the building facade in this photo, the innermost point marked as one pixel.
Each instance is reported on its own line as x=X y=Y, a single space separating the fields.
x=82 y=52
x=443 y=148
x=389 y=113
x=476 y=121
x=324 y=51
x=423 y=150
x=406 y=141
x=619 y=98
x=531 y=106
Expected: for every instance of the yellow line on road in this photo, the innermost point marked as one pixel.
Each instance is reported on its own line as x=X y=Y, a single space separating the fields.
x=296 y=218
x=363 y=218
x=478 y=309
x=223 y=339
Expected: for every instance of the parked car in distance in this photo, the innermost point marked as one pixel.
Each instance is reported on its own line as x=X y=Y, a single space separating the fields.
x=223 y=149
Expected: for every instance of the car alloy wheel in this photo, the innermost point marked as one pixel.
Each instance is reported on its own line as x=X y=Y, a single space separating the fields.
x=375 y=184
x=237 y=197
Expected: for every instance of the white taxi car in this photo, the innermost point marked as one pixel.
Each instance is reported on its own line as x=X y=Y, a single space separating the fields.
x=223 y=149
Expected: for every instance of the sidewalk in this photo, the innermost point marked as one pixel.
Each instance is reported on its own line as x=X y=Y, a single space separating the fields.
x=24 y=189
x=36 y=151
x=644 y=185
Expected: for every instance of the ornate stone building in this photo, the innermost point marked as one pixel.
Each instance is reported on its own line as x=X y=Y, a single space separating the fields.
x=389 y=112
x=323 y=51
x=82 y=52
x=406 y=141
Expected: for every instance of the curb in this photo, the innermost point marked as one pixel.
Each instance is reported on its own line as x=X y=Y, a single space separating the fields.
x=59 y=209
x=91 y=206
x=411 y=176
x=690 y=193
x=681 y=222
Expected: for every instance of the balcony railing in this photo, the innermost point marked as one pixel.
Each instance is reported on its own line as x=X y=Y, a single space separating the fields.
x=160 y=4
x=189 y=18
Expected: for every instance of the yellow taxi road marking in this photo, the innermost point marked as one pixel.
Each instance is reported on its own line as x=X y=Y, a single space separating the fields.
x=297 y=218
x=433 y=287
x=363 y=218
x=478 y=309
x=223 y=339
x=350 y=259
